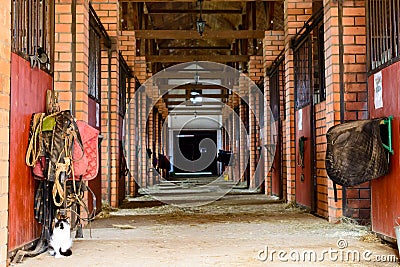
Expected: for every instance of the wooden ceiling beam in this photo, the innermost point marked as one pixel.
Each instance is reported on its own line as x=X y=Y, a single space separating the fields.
x=190 y=34
x=176 y=75
x=202 y=95
x=189 y=58
x=194 y=11
x=199 y=86
x=196 y=47
x=206 y=103
x=194 y=1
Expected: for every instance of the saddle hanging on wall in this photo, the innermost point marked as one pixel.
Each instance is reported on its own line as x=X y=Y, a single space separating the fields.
x=86 y=162
x=355 y=153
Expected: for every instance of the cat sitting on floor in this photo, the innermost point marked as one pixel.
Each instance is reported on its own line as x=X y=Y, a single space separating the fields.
x=61 y=241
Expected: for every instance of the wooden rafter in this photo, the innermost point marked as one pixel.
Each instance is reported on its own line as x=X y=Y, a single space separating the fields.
x=194 y=11
x=196 y=47
x=194 y=1
x=203 y=95
x=191 y=34
x=189 y=58
x=199 y=86
x=205 y=103
x=212 y=75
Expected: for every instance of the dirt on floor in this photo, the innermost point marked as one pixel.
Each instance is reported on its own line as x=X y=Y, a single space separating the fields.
x=238 y=230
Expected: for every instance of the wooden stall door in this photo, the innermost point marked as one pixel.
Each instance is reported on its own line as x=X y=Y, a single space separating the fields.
x=94 y=116
x=304 y=163
x=304 y=130
x=385 y=191
x=277 y=106
x=28 y=94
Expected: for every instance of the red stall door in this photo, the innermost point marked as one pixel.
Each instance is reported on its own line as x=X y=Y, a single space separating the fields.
x=94 y=116
x=385 y=191
x=304 y=162
x=28 y=91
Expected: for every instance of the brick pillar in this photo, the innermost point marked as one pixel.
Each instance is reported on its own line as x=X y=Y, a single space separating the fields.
x=107 y=11
x=157 y=150
x=236 y=139
x=71 y=56
x=355 y=92
x=140 y=69
x=295 y=14
x=236 y=135
x=5 y=53
x=274 y=43
x=143 y=136
x=256 y=71
x=244 y=149
x=140 y=72
x=150 y=125
x=253 y=140
x=155 y=129
x=131 y=133
x=127 y=47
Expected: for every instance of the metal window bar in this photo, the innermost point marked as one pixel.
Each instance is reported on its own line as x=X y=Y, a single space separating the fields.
x=99 y=26
x=125 y=76
x=384 y=30
x=260 y=85
x=309 y=61
x=97 y=33
x=319 y=65
x=94 y=60
x=277 y=87
x=302 y=71
x=31 y=27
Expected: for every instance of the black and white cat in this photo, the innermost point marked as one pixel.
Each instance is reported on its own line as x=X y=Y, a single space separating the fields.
x=61 y=241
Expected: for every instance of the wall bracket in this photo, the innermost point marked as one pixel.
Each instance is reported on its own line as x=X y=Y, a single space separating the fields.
x=388 y=122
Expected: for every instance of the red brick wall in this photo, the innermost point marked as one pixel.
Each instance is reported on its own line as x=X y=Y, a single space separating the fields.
x=108 y=13
x=320 y=142
x=358 y=199
x=358 y=203
x=243 y=165
x=295 y=14
x=274 y=43
x=355 y=76
x=72 y=75
x=127 y=46
x=355 y=91
x=256 y=71
x=332 y=91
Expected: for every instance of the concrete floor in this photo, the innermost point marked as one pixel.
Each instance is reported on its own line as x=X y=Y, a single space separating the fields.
x=234 y=231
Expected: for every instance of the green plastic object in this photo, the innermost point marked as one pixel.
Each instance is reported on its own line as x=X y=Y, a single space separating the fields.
x=388 y=122
x=48 y=123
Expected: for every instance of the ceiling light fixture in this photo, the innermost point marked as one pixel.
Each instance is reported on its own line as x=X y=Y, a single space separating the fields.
x=200 y=23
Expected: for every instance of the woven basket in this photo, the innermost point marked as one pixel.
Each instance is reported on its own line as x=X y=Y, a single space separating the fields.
x=355 y=153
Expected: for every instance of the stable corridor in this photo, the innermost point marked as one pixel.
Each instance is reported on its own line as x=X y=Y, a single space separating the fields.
x=228 y=232
x=197 y=132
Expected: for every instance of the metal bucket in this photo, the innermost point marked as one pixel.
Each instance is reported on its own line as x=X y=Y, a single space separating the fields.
x=397 y=230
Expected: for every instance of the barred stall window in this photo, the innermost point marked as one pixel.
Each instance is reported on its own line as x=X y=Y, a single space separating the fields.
x=309 y=62
x=319 y=64
x=276 y=75
x=384 y=30
x=302 y=68
x=124 y=85
x=94 y=59
x=33 y=28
